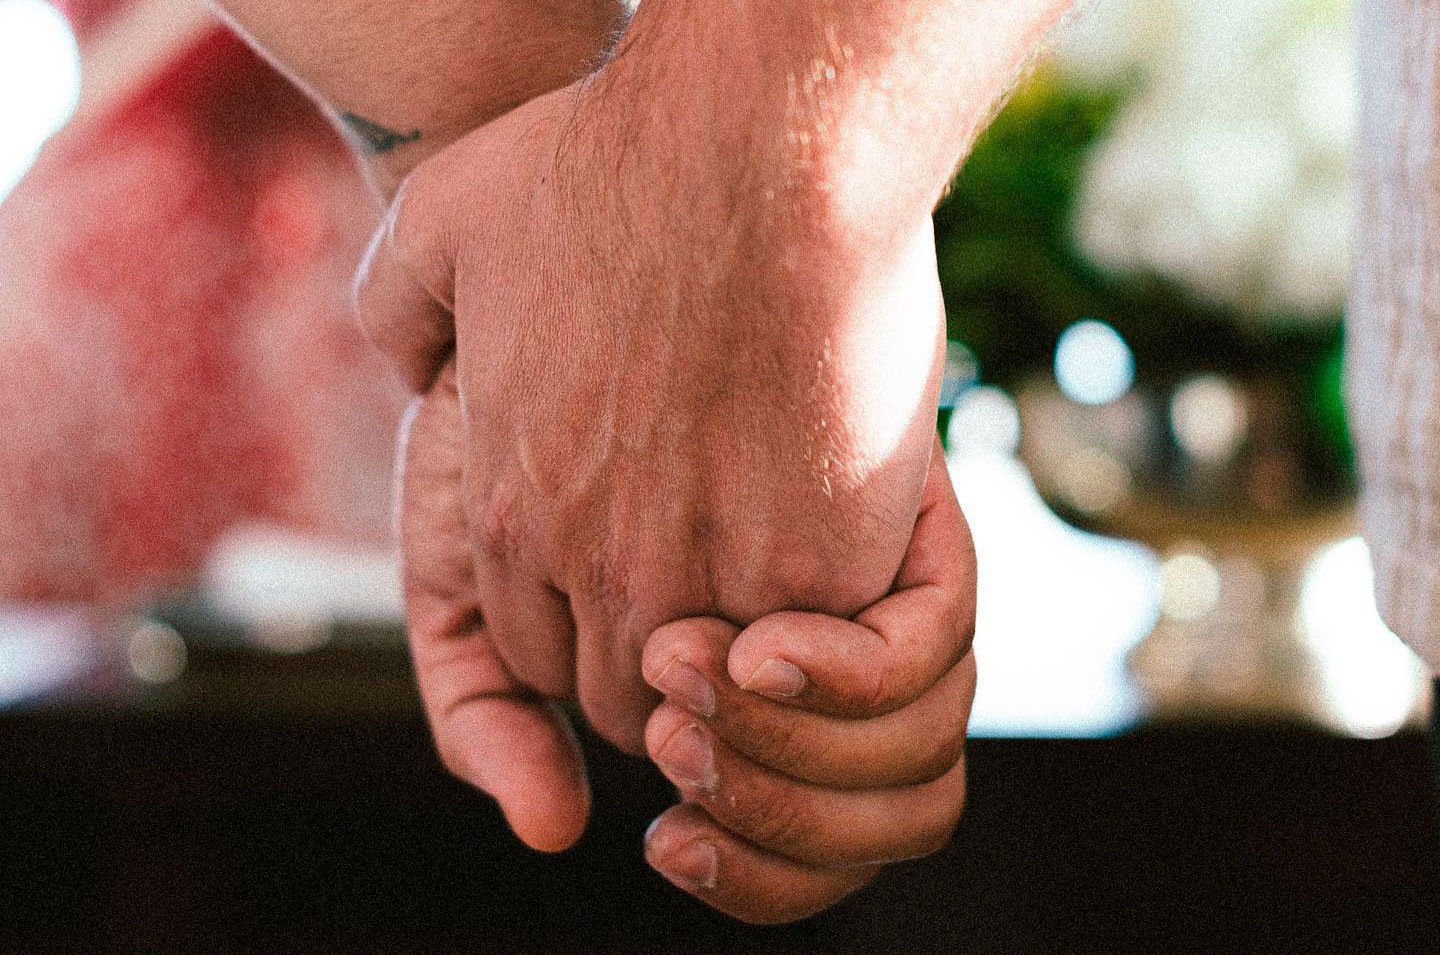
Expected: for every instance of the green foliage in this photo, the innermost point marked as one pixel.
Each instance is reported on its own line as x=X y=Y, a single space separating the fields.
x=1013 y=278
x=1011 y=275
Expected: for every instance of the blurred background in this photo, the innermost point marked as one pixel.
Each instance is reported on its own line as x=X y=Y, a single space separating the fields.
x=1144 y=264
x=210 y=736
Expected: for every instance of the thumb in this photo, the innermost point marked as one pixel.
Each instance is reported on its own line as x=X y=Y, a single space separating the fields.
x=490 y=730
x=895 y=649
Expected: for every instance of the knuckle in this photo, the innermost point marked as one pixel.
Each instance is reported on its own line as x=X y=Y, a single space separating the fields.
x=947 y=745
x=937 y=835
x=774 y=742
x=800 y=897
x=449 y=759
x=938 y=827
x=497 y=527
x=623 y=728
x=877 y=690
x=962 y=627
x=934 y=839
x=609 y=585
x=952 y=752
x=766 y=911
x=771 y=820
x=944 y=829
x=942 y=758
x=817 y=582
x=763 y=913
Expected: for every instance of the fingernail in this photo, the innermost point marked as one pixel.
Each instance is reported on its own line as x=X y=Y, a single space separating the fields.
x=689 y=757
x=695 y=863
x=687 y=686
x=776 y=678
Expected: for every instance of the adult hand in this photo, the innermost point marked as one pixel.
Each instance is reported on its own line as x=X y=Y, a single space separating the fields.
x=490 y=729
x=716 y=408
x=789 y=806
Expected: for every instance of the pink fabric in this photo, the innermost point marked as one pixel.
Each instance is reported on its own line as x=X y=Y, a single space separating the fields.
x=176 y=348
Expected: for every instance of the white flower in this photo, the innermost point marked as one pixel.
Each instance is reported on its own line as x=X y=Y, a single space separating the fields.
x=1226 y=172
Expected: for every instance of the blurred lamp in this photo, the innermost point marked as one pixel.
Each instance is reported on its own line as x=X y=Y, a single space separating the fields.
x=1189 y=587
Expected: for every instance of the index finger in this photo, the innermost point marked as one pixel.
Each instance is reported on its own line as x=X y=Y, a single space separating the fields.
x=892 y=651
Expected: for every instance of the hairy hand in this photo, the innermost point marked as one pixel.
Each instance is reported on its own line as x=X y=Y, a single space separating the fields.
x=490 y=728
x=720 y=407
x=790 y=803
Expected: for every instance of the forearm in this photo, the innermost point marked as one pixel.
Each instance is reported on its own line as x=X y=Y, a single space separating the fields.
x=406 y=79
x=854 y=110
x=792 y=153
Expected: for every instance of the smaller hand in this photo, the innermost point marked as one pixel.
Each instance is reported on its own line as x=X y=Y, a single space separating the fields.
x=853 y=759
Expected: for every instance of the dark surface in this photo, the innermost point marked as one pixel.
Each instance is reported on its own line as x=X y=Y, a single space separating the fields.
x=295 y=805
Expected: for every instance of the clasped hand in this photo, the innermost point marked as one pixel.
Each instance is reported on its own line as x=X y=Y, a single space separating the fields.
x=674 y=458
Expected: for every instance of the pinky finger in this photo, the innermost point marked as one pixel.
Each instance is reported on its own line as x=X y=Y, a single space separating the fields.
x=700 y=857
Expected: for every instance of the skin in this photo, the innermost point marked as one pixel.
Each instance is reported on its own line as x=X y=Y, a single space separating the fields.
x=404 y=80
x=613 y=438
x=633 y=433
x=787 y=810
x=577 y=560
x=796 y=807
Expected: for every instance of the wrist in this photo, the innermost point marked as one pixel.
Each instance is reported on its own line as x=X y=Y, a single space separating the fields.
x=851 y=115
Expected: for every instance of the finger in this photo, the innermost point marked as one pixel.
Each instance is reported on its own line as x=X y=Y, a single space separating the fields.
x=612 y=693
x=529 y=622
x=698 y=856
x=894 y=650
x=915 y=744
x=489 y=729
x=404 y=289
x=803 y=822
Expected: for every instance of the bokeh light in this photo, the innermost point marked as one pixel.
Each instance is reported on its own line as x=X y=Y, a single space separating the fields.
x=962 y=371
x=1094 y=481
x=1208 y=418
x=985 y=419
x=1372 y=681
x=156 y=653
x=1093 y=365
x=39 y=82
x=1058 y=609
x=41 y=649
x=1189 y=587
